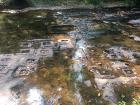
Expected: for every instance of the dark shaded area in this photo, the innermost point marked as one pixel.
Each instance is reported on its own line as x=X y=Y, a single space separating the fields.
x=19 y=4
x=60 y=29
x=138 y=3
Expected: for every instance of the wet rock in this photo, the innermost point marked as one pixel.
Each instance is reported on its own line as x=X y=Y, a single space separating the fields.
x=118 y=65
x=127 y=71
x=16 y=91
x=123 y=67
x=109 y=15
x=88 y=83
x=135 y=22
x=118 y=38
x=137 y=55
x=125 y=32
x=59 y=89
x=136 y=38
x=102 y=73
x=118 y=53
x=59 y=13
x=100 y=64
x=39 y=16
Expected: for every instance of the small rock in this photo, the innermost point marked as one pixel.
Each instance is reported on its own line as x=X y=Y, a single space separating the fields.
x=134 y=22
x=59 y=89
x=136 y=38
x=99 y=63
x=88 y=83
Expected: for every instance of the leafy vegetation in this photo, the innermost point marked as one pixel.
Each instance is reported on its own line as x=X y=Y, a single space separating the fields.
x=126 y=95
x=136 y=101
x=132 y=2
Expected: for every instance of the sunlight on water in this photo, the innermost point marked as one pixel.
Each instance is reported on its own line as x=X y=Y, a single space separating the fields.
x=35 y=97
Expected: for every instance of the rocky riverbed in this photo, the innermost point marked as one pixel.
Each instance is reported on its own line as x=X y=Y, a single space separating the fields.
x=104 y=59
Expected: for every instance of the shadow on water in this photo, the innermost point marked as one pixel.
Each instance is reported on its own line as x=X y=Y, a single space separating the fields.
x=22 y=26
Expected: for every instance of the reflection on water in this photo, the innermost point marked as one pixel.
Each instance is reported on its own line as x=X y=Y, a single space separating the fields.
x=61 y=80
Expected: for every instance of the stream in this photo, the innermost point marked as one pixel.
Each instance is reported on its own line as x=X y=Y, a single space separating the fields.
x=106 y=55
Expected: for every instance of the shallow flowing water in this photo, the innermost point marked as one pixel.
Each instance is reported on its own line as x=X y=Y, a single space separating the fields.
x=104 y=43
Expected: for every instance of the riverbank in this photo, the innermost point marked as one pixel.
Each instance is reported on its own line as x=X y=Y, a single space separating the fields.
x=106 y=7
x=114 y=5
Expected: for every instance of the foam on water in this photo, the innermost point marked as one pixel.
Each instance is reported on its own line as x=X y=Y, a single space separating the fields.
x=35 y=97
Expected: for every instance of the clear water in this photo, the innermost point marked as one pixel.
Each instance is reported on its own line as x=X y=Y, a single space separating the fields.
x=60 y=81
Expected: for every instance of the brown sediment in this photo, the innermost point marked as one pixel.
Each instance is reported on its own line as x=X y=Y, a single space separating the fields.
x=50 y=79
